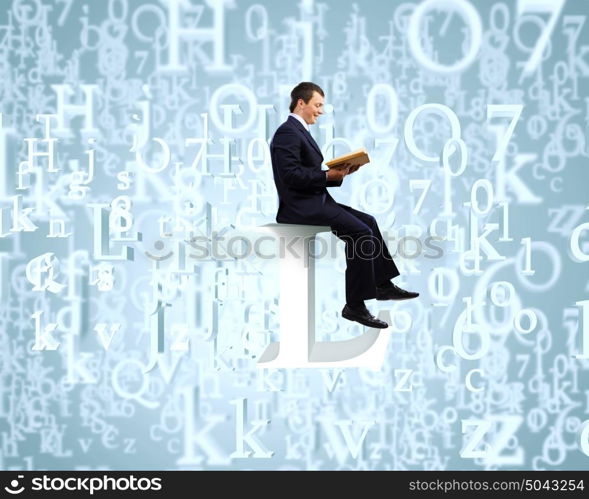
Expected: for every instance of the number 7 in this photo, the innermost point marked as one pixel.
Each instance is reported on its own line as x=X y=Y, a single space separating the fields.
x=553 y=7
x=513 y=111
x=419 y=184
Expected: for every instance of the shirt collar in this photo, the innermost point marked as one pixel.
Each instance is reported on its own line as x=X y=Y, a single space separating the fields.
x=303 y=122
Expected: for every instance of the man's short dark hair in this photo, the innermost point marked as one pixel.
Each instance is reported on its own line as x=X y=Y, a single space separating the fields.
x=303 y=90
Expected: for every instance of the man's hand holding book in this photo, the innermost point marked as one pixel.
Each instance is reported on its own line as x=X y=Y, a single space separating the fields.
x=348 y=163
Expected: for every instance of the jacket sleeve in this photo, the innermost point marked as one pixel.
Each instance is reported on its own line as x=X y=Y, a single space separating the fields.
x=334 y=183
x=286 y=146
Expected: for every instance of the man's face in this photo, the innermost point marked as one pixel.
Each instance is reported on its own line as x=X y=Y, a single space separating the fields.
x=312 y=109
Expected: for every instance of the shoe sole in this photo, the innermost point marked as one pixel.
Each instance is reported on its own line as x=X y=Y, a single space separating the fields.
x=346 y=316
x=398 y=299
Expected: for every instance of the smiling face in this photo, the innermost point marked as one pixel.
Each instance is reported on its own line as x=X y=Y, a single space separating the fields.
x=312 y=109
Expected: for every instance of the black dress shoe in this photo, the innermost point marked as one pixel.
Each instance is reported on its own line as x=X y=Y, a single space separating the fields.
x=363 y=316
x=393 y=292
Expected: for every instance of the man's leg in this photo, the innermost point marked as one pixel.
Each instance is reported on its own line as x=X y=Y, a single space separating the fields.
x=360 y=279
x=360 y=251
x=384 y=265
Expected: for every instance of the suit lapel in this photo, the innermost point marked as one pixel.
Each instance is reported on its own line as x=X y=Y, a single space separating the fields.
x=299 y=126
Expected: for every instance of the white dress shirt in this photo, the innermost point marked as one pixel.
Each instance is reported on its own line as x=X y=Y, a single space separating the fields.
x=303 y=122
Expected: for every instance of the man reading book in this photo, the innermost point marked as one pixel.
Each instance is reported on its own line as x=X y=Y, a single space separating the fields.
x=303 y=199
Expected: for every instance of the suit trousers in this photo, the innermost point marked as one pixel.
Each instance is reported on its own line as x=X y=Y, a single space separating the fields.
x=368 y=261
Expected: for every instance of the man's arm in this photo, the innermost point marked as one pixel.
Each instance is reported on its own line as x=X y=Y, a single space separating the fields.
x=286 y=146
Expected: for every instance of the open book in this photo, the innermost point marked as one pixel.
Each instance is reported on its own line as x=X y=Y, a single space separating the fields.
x=355 y=158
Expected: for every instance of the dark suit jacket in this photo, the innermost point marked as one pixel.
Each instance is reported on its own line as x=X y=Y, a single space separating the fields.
x=300 y=182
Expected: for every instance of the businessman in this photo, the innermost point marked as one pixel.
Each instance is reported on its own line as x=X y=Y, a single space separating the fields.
x=303 y=199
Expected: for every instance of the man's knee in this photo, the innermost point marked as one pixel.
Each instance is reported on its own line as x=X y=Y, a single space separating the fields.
x=372 y=223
